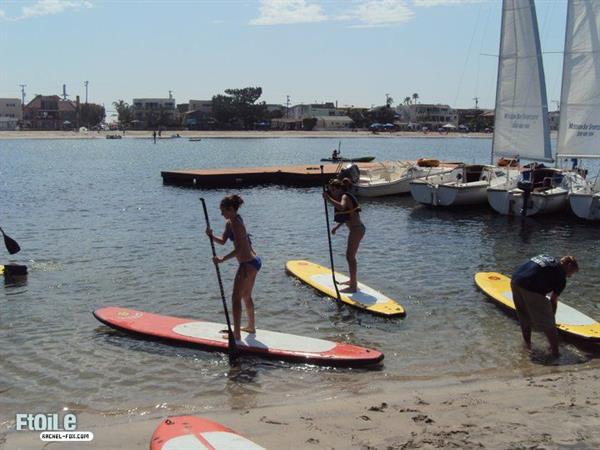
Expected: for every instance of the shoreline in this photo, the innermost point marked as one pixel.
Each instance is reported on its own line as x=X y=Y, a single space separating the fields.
x=184 y=135
x=507 y=411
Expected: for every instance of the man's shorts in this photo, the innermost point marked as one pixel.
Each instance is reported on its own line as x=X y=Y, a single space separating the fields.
x=533 y=309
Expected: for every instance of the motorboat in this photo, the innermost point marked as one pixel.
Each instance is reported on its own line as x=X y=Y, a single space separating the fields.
x=393 y=177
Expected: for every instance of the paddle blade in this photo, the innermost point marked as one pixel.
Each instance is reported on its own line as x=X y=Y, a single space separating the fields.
x=11 y=244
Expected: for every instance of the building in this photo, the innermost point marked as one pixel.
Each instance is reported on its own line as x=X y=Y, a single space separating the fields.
x=331 y=123
x=50 y=112
x=152 y=112
x=312 y=110
x=11 y=113
x=475 y=119
x=427 y=115
x=199 y=115
x=11 y=107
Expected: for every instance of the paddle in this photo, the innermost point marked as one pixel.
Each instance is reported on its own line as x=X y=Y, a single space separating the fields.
x=337 y=292
x=233 y=350
x=11 y=244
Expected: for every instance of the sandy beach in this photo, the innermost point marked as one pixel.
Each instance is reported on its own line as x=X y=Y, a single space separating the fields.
x=559 y=408
x=234 y=134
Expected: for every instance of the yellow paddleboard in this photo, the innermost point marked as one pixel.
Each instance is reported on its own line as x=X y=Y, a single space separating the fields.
x=1 y=270
x=365 y=298
x=568 y=319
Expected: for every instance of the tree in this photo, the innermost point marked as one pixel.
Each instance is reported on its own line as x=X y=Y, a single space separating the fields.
x=223 y=110
x=239 y=107
x=124 y=111
x=407 y=100
x=384 y=114
x=91 y=114
x=388 y=101
x=308 y=123
x=415 y=97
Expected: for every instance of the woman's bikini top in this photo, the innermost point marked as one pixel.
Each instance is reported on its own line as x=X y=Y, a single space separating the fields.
x=231 y=236
x=344 y=216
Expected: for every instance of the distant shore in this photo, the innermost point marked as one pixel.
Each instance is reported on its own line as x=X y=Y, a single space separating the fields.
x=131 y=134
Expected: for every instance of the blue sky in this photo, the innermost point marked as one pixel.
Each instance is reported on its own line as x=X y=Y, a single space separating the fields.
x=350 y=51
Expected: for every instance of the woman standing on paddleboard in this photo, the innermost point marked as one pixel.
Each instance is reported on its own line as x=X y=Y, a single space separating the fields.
x=347 y=212
x=250 y=264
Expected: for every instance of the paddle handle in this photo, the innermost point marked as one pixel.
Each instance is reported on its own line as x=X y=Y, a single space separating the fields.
x=335 y=286
x=232 y=344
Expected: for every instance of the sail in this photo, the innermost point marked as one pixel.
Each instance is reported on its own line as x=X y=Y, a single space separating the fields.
x=579 y=133
x=521 y=122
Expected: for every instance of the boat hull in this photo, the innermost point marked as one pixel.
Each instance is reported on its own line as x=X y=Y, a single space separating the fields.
x=585 y=205
x=510 y=201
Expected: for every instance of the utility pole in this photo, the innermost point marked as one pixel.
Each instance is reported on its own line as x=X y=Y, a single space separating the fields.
x=65 y=95
x=86 y=90
x=287 y=107
x=476 y=102
x=22 y=102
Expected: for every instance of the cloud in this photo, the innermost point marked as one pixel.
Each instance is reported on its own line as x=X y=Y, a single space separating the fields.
x=379 y=13
x=428 y=3
x=49 y=7
x=277 y=12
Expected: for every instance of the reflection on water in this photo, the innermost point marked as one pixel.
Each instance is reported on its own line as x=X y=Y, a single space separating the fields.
x=112 y=234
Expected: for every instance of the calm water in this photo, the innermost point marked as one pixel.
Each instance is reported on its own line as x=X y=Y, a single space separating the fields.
x=98 y=228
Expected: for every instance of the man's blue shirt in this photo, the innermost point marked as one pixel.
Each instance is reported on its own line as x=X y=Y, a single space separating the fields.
x=542 y=274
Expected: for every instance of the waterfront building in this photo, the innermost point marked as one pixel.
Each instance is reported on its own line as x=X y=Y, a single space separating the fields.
x=50 y=112
x=11 y=113
x=332 y=123
x=199 y=115
x=152 y=112
x=425 y=115
x=311 y=110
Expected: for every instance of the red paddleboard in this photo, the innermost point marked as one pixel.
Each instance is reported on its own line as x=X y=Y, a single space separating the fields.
x=195 y=433
x=209 y=336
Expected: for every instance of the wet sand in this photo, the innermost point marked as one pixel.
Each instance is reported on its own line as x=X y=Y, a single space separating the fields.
x=557 y=409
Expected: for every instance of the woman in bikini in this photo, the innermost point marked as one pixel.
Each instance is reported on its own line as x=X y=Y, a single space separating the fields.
x=347 y=212
x=250 y=264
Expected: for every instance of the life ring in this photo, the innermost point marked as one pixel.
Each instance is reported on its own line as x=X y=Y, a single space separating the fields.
x=427 y=162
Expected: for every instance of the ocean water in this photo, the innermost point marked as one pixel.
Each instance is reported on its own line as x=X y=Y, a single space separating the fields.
x=97 y=227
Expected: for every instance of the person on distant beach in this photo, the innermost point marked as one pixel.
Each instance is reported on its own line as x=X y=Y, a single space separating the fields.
x=154 y=136
x=249 y=263
x=530 y=284
x=335 y=155
x=347 y=212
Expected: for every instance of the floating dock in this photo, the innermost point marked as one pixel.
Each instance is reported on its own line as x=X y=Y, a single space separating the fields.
x=303 y=176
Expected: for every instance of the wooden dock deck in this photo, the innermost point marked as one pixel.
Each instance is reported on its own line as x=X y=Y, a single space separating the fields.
x=302 y=175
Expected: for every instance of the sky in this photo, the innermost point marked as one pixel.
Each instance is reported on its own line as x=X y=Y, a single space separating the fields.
x=352 y=52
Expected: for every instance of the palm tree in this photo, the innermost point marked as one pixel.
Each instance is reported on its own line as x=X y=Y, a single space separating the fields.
x=415 y=97
x=407 y=100
x=123 y=110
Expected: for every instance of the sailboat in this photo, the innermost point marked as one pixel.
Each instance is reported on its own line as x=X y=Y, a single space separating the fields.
x=579 y=133
x=519 y=122
x=468 y=186
x=521 y=127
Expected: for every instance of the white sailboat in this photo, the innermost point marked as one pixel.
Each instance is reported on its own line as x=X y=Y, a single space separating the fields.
x=468 y=186
x=393 y=177
x=540 y=189
x=521 y=121
x=579 y=133
x=516 y=106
